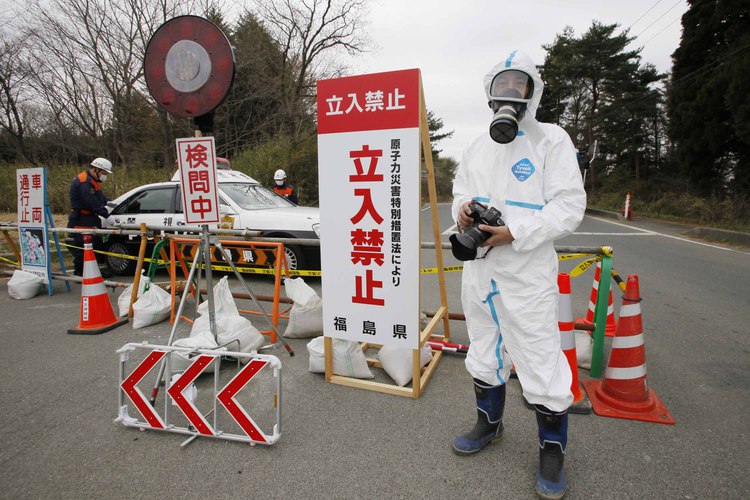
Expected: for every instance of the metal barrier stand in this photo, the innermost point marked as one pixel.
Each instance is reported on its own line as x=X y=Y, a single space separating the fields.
x=224 y=397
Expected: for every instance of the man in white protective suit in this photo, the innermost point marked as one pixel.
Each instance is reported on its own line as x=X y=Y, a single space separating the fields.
x=517 y=190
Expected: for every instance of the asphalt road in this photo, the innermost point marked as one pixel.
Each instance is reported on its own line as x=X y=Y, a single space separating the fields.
x=59 y=400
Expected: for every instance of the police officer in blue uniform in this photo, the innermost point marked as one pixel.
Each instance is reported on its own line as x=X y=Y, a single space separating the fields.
x=87 y=203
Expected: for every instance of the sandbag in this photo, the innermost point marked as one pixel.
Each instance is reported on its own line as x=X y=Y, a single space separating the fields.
x=25 y=285
x=236 y=331
x=123 y=301
x=397 y=362
x=152 y=307
x=223 y=301
x=348 y=358
x=306 y=314
x=584 y=348
x=182 y=360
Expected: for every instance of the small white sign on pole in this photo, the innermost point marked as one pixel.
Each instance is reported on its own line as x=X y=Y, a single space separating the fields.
x=369 y=177
x=31 y=186
x=196 y=158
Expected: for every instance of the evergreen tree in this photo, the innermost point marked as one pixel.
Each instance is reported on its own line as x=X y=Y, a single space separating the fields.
x=252 y=110
x=708 y=106
x=435 y=126
x=597 y=90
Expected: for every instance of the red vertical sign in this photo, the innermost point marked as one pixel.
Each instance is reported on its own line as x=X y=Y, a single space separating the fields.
x=368 y=148
x=200 y=195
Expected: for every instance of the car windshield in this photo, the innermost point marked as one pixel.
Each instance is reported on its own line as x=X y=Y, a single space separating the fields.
x=253 y=196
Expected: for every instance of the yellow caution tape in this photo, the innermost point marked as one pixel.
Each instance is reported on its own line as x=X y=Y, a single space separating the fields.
x=448 y=269
x=572 y=256
x=215 y=267
x=577 y=271
x=583 y=266
x=261 y=270
x=452 y=269
x=118 y=255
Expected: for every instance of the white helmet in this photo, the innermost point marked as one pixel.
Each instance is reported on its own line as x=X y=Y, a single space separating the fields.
x=102 y=163
x=280 y=175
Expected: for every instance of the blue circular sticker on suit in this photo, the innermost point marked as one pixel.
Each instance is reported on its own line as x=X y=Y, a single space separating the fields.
x=523 y=169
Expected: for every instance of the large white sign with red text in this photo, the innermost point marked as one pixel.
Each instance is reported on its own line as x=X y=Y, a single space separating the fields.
x=369 y=177
x=196 y=158
x=31 y=186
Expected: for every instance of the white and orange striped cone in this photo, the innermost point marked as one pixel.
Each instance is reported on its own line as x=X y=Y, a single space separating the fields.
x=624 y=393
x=97 y=315
x=581 y=403
x=627 y=212
x=611 y=326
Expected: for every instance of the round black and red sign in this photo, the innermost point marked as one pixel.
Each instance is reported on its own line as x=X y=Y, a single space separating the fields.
x=189 y=66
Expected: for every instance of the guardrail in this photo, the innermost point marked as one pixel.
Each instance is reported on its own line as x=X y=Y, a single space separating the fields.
x=145 y=231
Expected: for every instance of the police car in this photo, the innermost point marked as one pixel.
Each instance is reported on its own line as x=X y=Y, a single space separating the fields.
x=243 y=204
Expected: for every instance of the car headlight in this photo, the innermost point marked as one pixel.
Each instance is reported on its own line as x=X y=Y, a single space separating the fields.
x=316 y=228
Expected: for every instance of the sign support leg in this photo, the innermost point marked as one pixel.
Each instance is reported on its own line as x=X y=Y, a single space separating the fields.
x=185 y=292
x=51 y=223
x=223 y=252
x=427 y=153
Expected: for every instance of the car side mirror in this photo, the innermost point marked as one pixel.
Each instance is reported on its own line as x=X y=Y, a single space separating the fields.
x=226 y=210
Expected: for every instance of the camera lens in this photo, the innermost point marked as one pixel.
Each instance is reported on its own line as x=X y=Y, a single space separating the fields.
x=464 y=245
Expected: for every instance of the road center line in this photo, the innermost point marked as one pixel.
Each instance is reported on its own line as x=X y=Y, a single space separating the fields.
x=645 y=231
x=641 y=232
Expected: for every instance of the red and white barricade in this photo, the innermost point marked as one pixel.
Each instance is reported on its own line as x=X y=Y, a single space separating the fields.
x=217 y=405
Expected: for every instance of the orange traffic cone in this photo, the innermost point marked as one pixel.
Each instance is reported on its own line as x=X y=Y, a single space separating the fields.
x=581 y=403
x=624 y=393
x=611 y=326
x=97 y=315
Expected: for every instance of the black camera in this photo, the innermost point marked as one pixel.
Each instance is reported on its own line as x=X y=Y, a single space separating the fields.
x=464 y=245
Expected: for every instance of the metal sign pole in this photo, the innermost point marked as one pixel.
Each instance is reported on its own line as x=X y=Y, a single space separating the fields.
x=206 y=244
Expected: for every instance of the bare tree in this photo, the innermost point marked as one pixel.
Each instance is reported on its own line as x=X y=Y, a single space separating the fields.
x=88 y=60
x=310 y=34
x=14 y=93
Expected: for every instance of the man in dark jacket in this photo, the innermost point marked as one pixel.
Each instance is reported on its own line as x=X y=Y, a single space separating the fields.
x=87 y=203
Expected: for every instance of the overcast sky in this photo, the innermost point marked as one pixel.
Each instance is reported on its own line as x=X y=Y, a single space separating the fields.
x=454 y=43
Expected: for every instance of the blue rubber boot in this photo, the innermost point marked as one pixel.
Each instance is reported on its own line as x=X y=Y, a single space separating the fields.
x=489 y=426
x=551 y=482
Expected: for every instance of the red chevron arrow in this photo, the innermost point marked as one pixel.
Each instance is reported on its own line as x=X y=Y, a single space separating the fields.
x=226 y=398
x=129 y=385
x=182 y=383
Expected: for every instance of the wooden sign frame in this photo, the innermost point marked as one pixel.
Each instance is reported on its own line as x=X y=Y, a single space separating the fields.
x=420 y=375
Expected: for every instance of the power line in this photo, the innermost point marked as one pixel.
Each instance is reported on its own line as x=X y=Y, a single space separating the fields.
x=693 y=74
x=643 y=15
x=659 y=18
x=718 y=61
x=662 y=30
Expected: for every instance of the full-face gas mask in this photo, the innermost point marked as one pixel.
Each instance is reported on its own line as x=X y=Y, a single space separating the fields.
x=510 y=93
